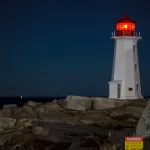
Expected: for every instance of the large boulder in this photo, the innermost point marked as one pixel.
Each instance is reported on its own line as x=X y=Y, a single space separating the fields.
x=105 y=103
x=127 y=112
x=39 y=130
x=51 y=106
x=79 y=146
x=136 y=111
x=143 y=126
x=78 y=103
x=23 y=123
x=7 y=122
x=15 y=139
x=17 y=111
x=30 y=111
x=64 y=133
x=32 y=104
x=54 y=101
x=10 y=106
x=6 y=113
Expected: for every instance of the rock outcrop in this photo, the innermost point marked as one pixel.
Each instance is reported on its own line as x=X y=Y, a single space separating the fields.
x=78 y=103
x=143 y=126
x=75 y=123
x=10 y=106
x=105 y=103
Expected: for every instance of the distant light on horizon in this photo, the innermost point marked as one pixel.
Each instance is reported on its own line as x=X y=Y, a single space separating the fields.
x=20 y=96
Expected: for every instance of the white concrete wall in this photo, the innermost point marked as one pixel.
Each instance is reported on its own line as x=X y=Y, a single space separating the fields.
x=112 y=90
x=119 y=62
x=113 y=66
x=129 y=80
x=124 y=67
x=137 y=74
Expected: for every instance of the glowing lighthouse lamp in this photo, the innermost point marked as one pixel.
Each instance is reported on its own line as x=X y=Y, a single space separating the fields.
x=125 y=82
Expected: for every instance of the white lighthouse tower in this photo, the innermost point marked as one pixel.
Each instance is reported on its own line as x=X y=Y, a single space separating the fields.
x=125 y=82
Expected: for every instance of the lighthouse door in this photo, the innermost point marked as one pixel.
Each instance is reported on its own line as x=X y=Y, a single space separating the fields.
x=118 y=90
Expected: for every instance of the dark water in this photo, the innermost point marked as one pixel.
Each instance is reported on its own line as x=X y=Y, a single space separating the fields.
x=20 y=101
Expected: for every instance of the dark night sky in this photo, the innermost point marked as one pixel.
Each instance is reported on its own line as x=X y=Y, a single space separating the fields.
x=63 y=46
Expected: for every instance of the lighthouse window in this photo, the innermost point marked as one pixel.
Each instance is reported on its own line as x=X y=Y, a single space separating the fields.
x=130 y=89
x=137 y=87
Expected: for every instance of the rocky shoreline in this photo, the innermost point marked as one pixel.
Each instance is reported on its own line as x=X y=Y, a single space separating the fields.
x=74 y=123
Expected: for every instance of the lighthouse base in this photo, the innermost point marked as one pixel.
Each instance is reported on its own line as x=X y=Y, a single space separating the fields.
x=131 y=97
x=117 y=91
x=127 y=98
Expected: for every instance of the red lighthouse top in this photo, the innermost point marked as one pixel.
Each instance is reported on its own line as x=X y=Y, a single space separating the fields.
x=125 y=26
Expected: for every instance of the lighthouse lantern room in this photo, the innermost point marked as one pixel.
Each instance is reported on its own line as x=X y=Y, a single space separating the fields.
x=125 y=82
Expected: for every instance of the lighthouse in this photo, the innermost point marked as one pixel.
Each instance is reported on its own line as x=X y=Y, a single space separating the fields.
x=125 y=81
